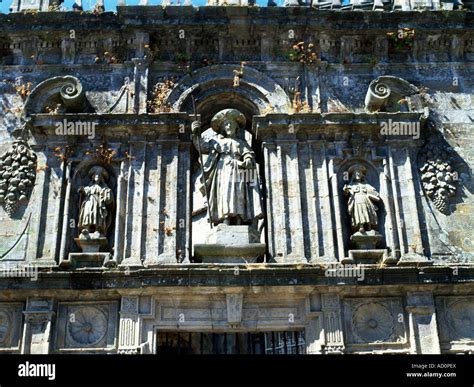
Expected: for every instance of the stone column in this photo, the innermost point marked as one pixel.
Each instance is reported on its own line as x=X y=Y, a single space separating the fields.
x=133 y=237
x=37 y=333
x=334 y=340
x=422 y=319
x=63 y=251
x=406 y=204
x=313 y=333
x=140 y=78
x=129 y=333
x=284 y=200
x=338 y=214
x=266 y=46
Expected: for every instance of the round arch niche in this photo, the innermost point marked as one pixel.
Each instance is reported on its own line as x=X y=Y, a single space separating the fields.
x=214 y=85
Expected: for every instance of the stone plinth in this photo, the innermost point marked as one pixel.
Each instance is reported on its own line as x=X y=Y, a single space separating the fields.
x=369 y=257
x=88 y=260
x=91 y=245
x=230 y=244
x=366 y=240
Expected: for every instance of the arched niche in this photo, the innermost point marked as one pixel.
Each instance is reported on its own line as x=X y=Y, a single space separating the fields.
x=64 y=93
x=213 y=83
x=80 y=177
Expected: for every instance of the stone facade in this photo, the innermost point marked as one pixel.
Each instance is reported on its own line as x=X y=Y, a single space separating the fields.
x=391 y=94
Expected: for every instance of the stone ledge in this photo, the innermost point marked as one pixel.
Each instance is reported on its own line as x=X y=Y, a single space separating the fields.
x=180 y=275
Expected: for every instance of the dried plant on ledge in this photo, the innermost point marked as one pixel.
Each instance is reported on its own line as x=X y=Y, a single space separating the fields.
x=300 y=106
x=160 y=93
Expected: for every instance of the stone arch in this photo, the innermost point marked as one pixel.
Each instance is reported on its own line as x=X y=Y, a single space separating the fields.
x=65 y=91
x=212 y=87
x=372 y=171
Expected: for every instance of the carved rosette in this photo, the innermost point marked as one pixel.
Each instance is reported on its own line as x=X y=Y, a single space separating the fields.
x=438 y=176
x=17 y=175
x=372 y=322
x=460 y=317
x=87 y=326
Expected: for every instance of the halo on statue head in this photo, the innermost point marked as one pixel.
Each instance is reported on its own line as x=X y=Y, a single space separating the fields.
x=99 y=170
x=219 y=118
x=357 y=167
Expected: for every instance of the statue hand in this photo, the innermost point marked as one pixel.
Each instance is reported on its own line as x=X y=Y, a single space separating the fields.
x=247 y=164
x=195 y=127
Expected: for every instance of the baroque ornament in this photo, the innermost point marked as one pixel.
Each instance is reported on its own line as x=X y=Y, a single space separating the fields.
x=17 y=175
x=88 y=325
x=438 y=176
x=372 y=322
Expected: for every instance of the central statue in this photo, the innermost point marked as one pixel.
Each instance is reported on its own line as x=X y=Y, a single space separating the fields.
x=229 y=170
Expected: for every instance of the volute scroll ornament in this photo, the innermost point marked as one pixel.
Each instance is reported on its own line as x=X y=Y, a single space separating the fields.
x=387 y=93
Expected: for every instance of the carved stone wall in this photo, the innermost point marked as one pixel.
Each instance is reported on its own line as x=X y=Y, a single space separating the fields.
x=308 y=121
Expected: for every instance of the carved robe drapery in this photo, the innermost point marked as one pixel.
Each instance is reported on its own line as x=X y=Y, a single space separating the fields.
x=361 y=207
x=97 y=201
x=233 y=190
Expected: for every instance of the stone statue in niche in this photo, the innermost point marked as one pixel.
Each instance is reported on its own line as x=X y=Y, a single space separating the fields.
x=362 y=208
x=230 y=172
x=231 y=186
x=95 y=214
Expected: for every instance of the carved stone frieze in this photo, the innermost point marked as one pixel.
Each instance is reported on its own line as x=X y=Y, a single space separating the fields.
x=373 y=321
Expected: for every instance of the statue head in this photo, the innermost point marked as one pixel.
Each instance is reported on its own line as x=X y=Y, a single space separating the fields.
x=98 y=174
x=357 y=173
x=228 y=122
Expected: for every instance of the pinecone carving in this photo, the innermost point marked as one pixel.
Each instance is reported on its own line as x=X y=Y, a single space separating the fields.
x=17 y=175
x=438 y=176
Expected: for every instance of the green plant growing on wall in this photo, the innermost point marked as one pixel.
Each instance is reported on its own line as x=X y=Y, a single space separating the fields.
x=300 y=53
x=402 y=39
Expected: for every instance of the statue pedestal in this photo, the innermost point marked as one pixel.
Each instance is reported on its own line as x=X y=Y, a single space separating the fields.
x=91 y=245
x=366 y=251
x=91 y=257
x=366 y=240
x=230 y=244
x=88 y=260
